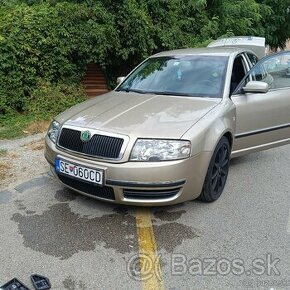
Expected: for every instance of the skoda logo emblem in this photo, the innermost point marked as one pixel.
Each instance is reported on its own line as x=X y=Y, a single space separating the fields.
x=86 y=136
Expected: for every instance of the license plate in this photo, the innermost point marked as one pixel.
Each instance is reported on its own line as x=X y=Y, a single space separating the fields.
x=79 y=171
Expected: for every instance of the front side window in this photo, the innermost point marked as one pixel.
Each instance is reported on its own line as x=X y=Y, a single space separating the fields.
x=238 y=72
x=253 y=59
x=194 y=76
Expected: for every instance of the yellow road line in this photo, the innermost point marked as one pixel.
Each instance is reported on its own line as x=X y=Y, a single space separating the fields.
x=150 y=269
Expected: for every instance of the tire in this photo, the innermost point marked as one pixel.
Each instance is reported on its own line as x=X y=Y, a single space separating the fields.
x=217 y=172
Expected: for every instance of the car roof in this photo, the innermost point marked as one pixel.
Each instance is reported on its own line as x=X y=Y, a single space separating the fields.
x=220 y=51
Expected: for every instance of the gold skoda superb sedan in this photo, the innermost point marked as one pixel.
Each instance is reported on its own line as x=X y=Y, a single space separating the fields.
x=166 y=134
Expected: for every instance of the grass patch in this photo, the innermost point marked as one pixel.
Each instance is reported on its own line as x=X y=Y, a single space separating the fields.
x=36 y=145
x=4 y=169
x=19 y=125
x=44 y=102
x=37 y=127
x=3 y=152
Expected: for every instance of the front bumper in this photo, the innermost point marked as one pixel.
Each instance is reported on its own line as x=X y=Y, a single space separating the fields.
x=138 y=183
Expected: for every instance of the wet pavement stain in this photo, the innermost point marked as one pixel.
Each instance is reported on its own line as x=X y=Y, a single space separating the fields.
x=70 y=284
x=30 y=212
x=171 y=235
x=5 y=196
x=61 y=233
x=20 y=205
x=165 y=215
x=121 y=209
x=65 y=194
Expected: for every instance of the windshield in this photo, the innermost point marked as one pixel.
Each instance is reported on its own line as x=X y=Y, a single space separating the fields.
x=197 y=76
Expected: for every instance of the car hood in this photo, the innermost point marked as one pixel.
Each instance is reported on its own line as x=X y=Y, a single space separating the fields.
x=139 y=115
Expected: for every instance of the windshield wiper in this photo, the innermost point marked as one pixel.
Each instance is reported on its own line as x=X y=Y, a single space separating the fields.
x=167 y=93
x=133 y=90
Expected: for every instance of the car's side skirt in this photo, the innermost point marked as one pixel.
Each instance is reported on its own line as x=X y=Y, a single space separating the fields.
x=261 y=147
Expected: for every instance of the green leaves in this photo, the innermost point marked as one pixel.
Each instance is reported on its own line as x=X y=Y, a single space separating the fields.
x=52 y=41
x=48 y=99
x=276 y=22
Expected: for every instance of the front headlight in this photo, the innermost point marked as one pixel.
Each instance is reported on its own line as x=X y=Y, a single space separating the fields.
x=53 y=131
x=160 y=150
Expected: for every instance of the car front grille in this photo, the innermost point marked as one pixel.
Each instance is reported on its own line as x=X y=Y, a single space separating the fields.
x=94 y=190
x=98 y=146
x=150 y=194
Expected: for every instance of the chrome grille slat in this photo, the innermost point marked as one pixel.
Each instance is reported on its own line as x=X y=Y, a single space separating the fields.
x=98 y=146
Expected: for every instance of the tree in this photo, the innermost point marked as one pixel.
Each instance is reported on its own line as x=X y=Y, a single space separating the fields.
x=52 y=41
x=277 y=22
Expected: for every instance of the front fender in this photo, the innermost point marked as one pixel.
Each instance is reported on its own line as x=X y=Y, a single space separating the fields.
x=207 y=132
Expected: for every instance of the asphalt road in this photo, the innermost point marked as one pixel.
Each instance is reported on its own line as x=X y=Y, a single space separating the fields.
x=240 y=241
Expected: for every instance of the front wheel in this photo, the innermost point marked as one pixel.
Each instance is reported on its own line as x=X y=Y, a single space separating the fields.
x=217 y=172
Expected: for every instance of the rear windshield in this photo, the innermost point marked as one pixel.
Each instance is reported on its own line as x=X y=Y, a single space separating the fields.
x=196 y=76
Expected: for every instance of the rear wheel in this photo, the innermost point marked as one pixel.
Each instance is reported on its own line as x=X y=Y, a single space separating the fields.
x=217 y=172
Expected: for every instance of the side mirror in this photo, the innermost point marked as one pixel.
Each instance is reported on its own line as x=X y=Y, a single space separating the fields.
x=256 y=87
x=120 y=80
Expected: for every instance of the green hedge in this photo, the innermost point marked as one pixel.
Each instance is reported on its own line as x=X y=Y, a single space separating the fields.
x=51 y=41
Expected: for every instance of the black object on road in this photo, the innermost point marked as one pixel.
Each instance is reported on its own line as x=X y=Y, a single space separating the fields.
x=40 y=282
x=14 y=284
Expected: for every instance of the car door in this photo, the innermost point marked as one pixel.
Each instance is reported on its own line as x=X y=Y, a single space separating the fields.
x=263 y=118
